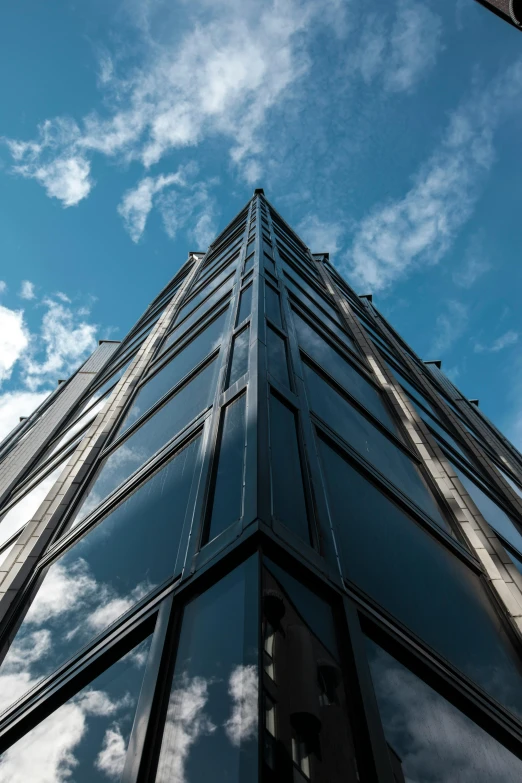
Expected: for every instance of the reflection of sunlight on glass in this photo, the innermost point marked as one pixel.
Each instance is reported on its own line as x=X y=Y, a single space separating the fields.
x=243 y=690
x=185 y=723
x=25 y=509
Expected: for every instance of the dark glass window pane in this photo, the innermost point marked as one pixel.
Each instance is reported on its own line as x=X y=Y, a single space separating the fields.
x=313 y=294
x=19 y=514
x=211 y=725
x=149 y=438
x=387 y=555
x=306 y=718
x=273 y=305
x=239 y=360
x=250 y=248
x=206 y=290
x=343 y=372
x=372 y=444
x=430 y=739
x=288 y=497
x=249 y=263
x=510 y=481
x=101 y=576
x=276 y=357
x=326 y=322
x=228 y=492
x=207 y=305
x=412 y=391
x=444 y=434
x=85 y=740
x=492 y=513
x=176 y=369
x=245 y=304
x=269 y=263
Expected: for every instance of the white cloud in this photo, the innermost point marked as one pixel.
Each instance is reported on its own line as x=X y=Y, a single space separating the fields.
x=475 y=262
x=509 y=338
x=24 y=510
x=3 y=286
x=221 y=76
x=14 y=339
x=418 y=229
x=15 y=404
x=111 y=758
x=63 y=342
x=449 y=326
x=321 y=236
x=243 y=690
x=27 y=290
x=398 y=51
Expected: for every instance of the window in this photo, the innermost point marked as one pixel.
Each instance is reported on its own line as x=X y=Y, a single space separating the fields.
x=86 y=738
x=239 y=359
x=175 y=370
x=207 y=305
x=412 y=391
x=492 y=513
x=370 y=442
x=227 y=501
x=196 y=299
x=388 y=556
x=214 y=693
x=312 y=293
x=444 y=434
x=80 y=423
x=245 y=304
x=288 y=496
x=273 y=305
x=342 y=371
x=276 y=357
x=249 y=264
x=130 y=552
x=18 y=515
x=130 y=455
x=430 y=739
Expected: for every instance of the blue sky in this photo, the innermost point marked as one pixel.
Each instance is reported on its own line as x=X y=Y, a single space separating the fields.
x=387 y=133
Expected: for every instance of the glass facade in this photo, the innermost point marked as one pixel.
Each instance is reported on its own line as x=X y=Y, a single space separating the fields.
x=240 y=556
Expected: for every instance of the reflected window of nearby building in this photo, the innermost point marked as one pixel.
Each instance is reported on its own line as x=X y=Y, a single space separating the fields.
x=430 y=739
x=103 y=574
x=451 y=612
x=86 y=738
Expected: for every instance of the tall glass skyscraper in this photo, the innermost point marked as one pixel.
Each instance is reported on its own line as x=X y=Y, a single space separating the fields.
x=260 y=540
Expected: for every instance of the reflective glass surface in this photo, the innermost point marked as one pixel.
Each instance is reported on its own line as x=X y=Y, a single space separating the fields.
x=19 y=514
x=342 y=371
x=511 y=483
x=273 y=305
x=430 y=740
x=288 y=497
x=417 y=395
x=214 y=284
x=245 y=304
x=227 y=502
x=101 y=576
x=388 y=556
x=85 y=740
x=82 y=421
x=149 y=438
x=313 y=294
x=249 y=264
x=492 y=513
x=276 y=357
x=372 y=444
x=444 y=434
x=239 y=358
x=324 y=320
x=176 y=369
x=207 y=305
x=211 y=724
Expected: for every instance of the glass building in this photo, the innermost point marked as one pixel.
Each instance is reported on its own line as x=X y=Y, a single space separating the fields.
x=260 y=539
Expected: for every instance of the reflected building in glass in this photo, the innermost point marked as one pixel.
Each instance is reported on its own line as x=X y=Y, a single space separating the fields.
x=260 y=540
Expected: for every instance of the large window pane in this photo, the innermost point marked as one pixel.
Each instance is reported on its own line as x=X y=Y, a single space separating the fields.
x=19 y=514
x=288 y=497
x=211 y=724
x=444 y=434
x=239 y=359
x=412 y=391
x=273 y=305
x=372 y=444
x=178 y=333
x=85 y=740
x=492 y=513
x=173 y=372
x=207 y=305
x=101 y=576
x=313 y=295
x=227 y=502
x=388 y=556
x=343 y=372
x=306 y=723
x=245 y=304
x=430 y=740
x=149 y=438
x=206 y=290
x=276 y=357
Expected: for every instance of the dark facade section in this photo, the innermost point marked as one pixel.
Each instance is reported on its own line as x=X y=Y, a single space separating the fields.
x=260 y=539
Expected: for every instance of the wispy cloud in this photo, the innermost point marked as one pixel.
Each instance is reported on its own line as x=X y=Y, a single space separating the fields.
x=220 y=77
x=27 y=290
x=3 y=286
x=14 y=339
x=509 y=338
x=475 y=262
x=321 y=236
x=418 y=229
x=449 y=327
x=398 y=50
